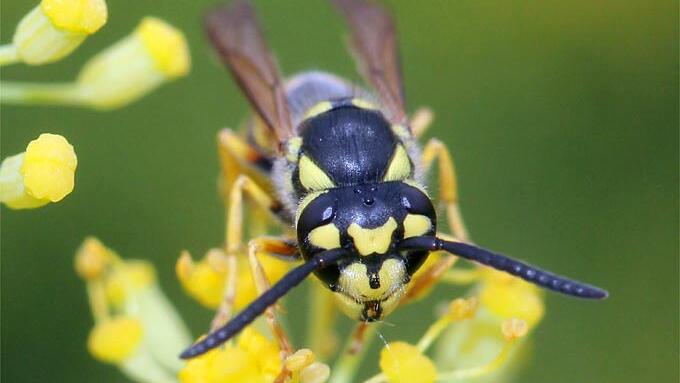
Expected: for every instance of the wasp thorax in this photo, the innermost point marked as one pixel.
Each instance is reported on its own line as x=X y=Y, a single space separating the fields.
x=369 y=221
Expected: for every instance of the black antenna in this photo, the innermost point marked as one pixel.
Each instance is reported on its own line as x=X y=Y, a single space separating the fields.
x=501 y=262
x=268 y=298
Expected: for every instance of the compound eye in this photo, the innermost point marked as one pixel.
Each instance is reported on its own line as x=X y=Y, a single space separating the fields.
x=318 y=212
x=416 y=202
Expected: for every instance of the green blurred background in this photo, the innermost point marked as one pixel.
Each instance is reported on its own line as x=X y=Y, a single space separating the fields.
x=562 y=117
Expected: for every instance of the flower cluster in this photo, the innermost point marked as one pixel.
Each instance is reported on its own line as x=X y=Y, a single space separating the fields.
x=136 y=327
x=472 y=339
x=152 y=54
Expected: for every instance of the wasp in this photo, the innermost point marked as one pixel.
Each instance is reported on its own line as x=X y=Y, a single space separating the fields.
x=348 y=173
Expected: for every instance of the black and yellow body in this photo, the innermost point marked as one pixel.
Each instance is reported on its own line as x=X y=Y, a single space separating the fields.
x=341 y=167
x=355 y=180
x=350 y=179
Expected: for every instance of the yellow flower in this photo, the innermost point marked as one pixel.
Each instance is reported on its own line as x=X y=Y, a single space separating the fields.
x=316 y=372
x=53 y=29
x=136 y=327
x=92 y=259
x=514 y=328
x=153 y=54
x=508 y=297
x=402 y=362
x=128 y=278
x=205 y=280
x=461 y=309
x=253 y=359
x=44 y=173
x=114 y=340
x=299 y=360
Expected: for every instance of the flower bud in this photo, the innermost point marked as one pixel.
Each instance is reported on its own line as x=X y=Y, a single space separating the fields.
x=402 y=362
x=55 y=28
x=115 y=340
x=153 y=54
x=316 y=372
x=299 y=360
x=44 y=173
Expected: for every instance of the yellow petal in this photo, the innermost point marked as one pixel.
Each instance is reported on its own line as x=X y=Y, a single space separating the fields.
x=317 y=372
x=91 y=259
x=461 y=309
x=115 y=340
x=201 y=280
x=49 y=167
x=508 y=297
x=514 y=328
x=167 y=46
x=77 y=16
x=299 y=360
x=264 y=350
x=402 y=362
x=233 y=365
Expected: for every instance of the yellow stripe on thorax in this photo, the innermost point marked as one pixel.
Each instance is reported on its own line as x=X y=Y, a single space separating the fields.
x=312 y=177
x=400 y=165
x=317 y=109
x=363 y=104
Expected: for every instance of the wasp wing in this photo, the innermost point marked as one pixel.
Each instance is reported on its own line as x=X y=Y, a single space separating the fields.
x=374 y=43
x=237 y=37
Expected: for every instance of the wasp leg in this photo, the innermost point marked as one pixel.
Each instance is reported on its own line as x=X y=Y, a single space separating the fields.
x=243 y=185
x=448 y=186
x=448 y=195
x=224 y=310
x=358 y=338
x=283 y=248
x=423 y=281
x=238 y=157
x=421 y=121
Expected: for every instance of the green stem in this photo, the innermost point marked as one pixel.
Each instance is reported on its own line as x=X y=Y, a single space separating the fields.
x=347 y=364
x=432 y=333
x=48 y=94
x=8 y=54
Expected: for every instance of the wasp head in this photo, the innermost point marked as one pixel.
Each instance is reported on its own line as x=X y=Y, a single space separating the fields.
x=368 y=221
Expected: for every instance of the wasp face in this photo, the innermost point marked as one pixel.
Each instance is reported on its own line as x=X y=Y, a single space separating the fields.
x=368 y=221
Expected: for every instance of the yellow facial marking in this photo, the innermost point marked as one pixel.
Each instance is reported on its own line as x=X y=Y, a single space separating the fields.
x=349 y=306
x=400 y=165
x=391 y=303
x=416 y=224
x=313 y=177
x=391 y=275
x=355 y=288
x=369 y=241
x=326 y=237
x=359 y=103
x=355 y=282
x=323 y=106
